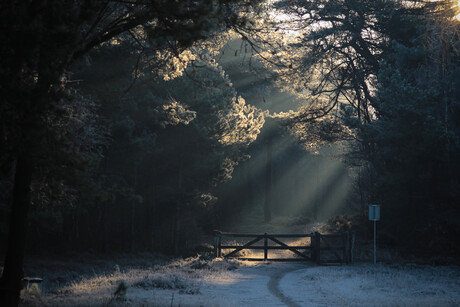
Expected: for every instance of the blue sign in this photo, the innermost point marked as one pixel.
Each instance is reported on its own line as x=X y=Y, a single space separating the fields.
x=374 y=212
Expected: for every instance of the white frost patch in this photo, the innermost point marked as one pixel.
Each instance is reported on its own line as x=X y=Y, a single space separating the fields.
x=369 y=285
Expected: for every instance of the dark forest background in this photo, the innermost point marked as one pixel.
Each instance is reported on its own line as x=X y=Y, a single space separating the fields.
x=142 y=151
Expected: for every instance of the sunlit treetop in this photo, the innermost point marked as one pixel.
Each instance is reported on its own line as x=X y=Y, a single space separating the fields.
x=457 y=7
x=328 y=52
x=242 y=123
x=175 y=113
x=335 y=47
x=203 y=94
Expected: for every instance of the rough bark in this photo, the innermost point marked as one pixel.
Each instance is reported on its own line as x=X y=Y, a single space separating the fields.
x=10 y=282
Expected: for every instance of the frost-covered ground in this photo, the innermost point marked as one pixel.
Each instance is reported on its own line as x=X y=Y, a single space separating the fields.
x=206 y=282
x=369 y=285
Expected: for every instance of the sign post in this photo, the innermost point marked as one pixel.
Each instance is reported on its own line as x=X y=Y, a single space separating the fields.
x=374 y=215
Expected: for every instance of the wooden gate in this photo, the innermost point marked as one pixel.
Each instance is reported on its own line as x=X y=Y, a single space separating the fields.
x=321 y=248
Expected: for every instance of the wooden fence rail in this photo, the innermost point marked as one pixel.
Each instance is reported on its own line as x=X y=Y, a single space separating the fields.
x=323 y=248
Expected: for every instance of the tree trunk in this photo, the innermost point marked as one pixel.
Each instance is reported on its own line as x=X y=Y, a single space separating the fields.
x=10 y=282
x=268 y=183
x=248 y=186
x=102 y=235
x=132 y=231
x=152 y=220
x=177 y=219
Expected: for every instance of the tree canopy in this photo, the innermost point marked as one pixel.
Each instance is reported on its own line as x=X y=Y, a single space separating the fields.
x=40 y=41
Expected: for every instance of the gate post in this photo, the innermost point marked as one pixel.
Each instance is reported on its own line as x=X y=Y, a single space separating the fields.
x=217 y=243
x=345 y=240
x=352 y=246
x=265 y=247
x=317 y=247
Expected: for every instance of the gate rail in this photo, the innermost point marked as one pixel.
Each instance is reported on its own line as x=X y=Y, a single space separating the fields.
x=321 y=245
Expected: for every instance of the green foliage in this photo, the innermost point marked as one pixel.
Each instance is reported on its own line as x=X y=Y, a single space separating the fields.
x=170 y=143
x=62 y=135
x=412 y=148
x=393 y=67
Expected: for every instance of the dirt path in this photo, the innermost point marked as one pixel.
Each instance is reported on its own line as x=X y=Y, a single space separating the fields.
x=273 y=286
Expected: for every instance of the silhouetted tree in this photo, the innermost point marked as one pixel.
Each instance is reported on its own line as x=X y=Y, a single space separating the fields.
x=39 y=42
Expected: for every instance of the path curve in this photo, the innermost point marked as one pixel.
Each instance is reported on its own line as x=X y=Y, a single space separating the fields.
x=273 y=286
